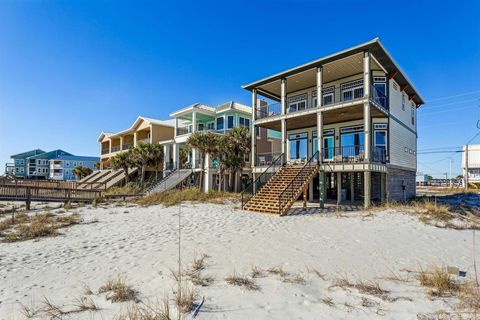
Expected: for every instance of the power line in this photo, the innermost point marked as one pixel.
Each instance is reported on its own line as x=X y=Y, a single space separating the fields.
x=451 y=103
x=447 y=110
x=453 y=96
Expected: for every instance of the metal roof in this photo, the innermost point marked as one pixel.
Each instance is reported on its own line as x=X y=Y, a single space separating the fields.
x=374 y=46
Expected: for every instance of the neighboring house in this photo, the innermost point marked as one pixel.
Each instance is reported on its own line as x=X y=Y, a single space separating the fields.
x=473 y=174
x=143 y=130
x=61 y=166
x=356 y=112
x=219 y=120
x=19 y=167
x=38 y=164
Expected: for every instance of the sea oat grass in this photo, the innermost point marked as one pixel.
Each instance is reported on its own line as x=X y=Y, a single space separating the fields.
x=173 y=197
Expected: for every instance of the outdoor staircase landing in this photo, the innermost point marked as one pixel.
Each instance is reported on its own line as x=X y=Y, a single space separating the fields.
x=271 y=198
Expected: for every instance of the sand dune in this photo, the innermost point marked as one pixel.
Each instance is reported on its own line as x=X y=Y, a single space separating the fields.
x=140 y=244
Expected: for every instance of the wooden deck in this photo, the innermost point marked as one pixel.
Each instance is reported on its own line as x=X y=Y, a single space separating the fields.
x=29 y=193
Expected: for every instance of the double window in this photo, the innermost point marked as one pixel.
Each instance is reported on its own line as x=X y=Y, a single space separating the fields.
x=380 y=87
x=328 y=96
x=297 y=103
x=352 y=141
x=244 y=122
x=211 y=125
x=351 y=90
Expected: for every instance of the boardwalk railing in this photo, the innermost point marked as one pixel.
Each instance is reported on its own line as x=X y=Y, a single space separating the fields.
x=97 y=186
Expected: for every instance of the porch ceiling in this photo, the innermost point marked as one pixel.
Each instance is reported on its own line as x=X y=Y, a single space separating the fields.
x=200 y=117
x=338 y=69
x=332 y=116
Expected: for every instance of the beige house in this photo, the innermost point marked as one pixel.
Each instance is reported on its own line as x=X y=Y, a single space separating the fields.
x=143 y=130
x=351 y=118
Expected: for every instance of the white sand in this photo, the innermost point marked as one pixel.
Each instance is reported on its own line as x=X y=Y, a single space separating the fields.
x=141 y=244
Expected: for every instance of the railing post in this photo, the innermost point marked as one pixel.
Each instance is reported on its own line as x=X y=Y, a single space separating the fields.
x=27 y=202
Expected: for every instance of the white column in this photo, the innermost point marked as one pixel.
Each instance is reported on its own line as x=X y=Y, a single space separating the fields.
x=194 y=121
x=176 y=155
x=207 y=181
x=366 y=129
x=253 y=151
x=283 y=96
x=166 y=157
x=366 y=73
x=121 y=143
x=284 y=138
x=176 y=127
x=319 y=114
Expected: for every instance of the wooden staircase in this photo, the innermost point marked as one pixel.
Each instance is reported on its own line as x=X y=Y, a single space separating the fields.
x=283 y=189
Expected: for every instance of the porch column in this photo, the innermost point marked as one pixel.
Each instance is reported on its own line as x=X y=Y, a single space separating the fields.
x=321 y=188
x=166 y=157
x=319 y=114
x=121 y=143
x=284 y=139
x=207 y=179
x=367 y=182
x=283 y=96
x=176 y=127
x=283 y=121
x=352 y=186
x=176 y=156
x=382 y=186
x=366 y=73
x=253 y=152
x=339 y=187
x=110 y=146
x=134 y=139
x=366 y=106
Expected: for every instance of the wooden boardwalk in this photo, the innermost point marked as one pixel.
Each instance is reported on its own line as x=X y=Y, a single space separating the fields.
x=28 y=193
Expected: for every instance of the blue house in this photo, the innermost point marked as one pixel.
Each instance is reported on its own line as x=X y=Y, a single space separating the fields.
x=61 y=167
x=56 y=165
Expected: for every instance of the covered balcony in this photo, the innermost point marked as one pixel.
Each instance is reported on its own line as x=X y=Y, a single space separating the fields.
x=143 y=136
x=342 y=83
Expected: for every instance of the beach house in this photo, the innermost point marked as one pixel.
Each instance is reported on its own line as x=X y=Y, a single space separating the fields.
x=348 y=129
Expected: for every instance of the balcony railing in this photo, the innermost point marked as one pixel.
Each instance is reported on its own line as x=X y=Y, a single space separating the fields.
x=269 y=110
x=144 y=141
x=346 y=92
x=116 y=148
x=265 y=159
x=105 y=151
x=127 y=146
x=352 y=154
x=183 y=130
x=379 y=97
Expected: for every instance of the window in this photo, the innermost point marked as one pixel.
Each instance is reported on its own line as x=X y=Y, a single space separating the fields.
x=17 y=169
x=257 y=131
x=403 y=101
x=298 y=146
x=412 y=114
x=380 y=87
x=351 y=140
x=220 y=123
x=230 y=122
x=211 y=125
x=352 y=90
x=244 y=122
x=380 y=141
x=328 y=95
x=67 y=163
x=201 y=127
x=297 y=103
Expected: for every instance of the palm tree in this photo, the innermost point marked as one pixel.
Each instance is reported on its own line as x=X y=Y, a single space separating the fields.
x=204 y=142
x=81 y=172
x=240 y=144
x=123 y=161
x=156 y=156
x=220 y=153
x=141 y=158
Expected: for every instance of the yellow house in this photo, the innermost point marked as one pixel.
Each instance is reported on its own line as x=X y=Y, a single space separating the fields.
x=143 y=130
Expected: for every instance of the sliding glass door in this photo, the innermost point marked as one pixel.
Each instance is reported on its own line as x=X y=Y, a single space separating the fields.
x=298 y=144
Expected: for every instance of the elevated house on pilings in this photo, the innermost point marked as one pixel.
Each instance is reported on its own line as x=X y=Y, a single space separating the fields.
x=348 y=130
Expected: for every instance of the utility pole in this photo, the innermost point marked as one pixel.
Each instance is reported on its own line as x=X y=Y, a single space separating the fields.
x=450 y=168
x=466 y=167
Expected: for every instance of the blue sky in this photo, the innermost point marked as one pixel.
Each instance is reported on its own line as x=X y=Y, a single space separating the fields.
x=70 y=69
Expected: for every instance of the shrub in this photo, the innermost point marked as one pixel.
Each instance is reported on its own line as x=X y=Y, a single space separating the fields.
x=241 y=281
x=118 y=291
x=173 y=197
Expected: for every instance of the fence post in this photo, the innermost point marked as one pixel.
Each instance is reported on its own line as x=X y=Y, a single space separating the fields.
x=27 y=202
